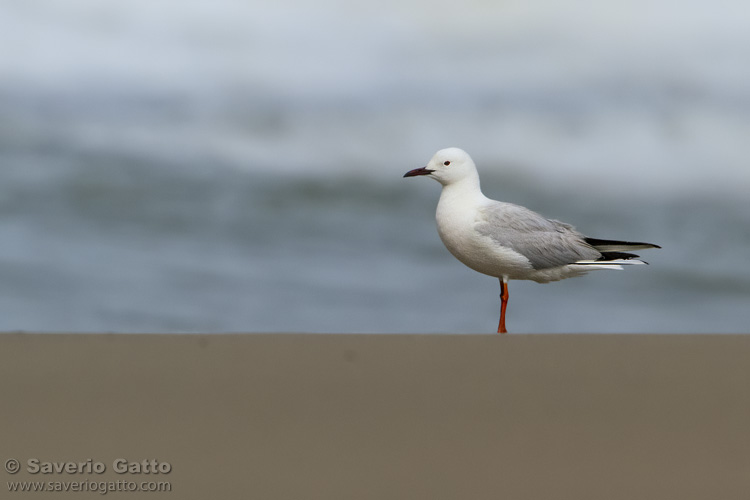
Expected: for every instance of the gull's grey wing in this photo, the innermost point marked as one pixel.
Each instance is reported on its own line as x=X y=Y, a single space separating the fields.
x=546 y=243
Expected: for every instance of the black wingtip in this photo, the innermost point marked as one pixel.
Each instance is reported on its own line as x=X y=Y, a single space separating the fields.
x=617 y=256
x=595 y=242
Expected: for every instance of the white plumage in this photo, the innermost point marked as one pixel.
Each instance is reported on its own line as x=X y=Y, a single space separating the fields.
x=508 y=241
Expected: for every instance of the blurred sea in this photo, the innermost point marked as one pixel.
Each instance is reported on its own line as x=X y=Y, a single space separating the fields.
x=237 y=166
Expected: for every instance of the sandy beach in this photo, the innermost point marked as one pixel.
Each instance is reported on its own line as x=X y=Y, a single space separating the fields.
x=292 y=416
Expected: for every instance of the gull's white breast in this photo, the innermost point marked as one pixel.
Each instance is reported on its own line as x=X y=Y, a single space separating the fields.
x=457 y=216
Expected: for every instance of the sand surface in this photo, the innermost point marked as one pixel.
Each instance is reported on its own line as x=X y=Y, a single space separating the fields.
x=289 y=416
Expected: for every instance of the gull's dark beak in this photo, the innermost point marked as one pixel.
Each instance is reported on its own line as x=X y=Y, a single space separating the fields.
x=418 y=171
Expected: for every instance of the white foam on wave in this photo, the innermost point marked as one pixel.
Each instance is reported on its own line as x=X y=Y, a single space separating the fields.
x=564 y=89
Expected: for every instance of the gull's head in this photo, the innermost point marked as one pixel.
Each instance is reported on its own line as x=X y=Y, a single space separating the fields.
x=447 y=166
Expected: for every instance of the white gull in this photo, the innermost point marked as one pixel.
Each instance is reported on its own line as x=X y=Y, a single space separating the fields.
x=508 y=241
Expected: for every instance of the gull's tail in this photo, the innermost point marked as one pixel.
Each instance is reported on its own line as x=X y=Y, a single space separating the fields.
x=614 y=254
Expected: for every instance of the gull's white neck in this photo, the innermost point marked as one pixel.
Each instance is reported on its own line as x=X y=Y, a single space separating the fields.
x=456 y=216
x=457 y=208
x=462 y=193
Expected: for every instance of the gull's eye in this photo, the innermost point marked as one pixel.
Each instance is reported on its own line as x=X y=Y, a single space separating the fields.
x=446 y=163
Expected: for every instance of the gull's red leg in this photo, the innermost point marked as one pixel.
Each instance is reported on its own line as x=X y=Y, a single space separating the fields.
x=504 y=298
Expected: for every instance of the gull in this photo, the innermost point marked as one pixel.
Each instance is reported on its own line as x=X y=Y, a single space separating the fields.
x=508 y=241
